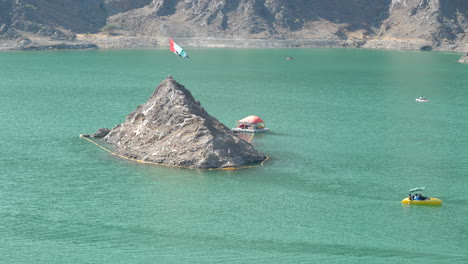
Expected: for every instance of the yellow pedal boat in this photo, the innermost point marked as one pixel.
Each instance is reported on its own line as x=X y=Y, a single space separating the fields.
x=429 y=201
x=416 y=197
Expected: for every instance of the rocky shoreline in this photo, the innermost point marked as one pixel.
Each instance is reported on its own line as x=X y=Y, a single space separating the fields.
x=93 y=41
x=464 y=59
x=60 y=46
x=105 y=41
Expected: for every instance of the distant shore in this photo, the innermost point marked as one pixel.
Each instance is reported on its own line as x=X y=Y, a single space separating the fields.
x=106 y=41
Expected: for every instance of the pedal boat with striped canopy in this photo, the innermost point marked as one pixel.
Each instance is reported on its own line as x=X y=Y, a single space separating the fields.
x=250 y=124
x=425 y=201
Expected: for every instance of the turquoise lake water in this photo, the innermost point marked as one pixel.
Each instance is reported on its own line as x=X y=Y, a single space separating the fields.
x=348 y=141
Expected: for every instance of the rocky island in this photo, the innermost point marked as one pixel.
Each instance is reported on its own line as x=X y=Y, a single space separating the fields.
x=173 y=128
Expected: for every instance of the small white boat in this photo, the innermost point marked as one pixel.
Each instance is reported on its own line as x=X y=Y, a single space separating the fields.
x=250 y=124
x=422 y=99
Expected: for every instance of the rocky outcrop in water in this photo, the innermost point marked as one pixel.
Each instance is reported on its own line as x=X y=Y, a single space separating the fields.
x=464 y=59
x=172 y=128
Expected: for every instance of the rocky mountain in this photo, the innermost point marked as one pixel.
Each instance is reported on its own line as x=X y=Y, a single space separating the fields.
x=394 y=24
x=172 y=128
x=55 y=19
x=437 y=21
x=438 y=24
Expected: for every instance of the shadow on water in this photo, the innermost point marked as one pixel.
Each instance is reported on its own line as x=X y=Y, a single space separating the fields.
x=250 y=136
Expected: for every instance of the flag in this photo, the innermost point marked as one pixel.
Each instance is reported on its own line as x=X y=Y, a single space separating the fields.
x=177 y=49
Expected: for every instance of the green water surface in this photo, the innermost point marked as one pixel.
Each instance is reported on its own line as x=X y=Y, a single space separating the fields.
x=348 y=141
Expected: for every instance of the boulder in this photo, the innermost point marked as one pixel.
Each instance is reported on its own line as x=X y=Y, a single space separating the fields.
x=172 y=128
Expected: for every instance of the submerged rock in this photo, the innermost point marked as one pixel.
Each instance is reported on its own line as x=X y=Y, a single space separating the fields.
x=172 y=128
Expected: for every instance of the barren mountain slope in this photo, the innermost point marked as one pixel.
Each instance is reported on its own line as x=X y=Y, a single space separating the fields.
x=440 y=24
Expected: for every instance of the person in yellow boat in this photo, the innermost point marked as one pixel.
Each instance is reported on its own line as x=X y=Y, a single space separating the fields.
x=419 y=197
x=416 y=196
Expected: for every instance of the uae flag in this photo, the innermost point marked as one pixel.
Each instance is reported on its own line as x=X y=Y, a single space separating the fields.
x=177 y=49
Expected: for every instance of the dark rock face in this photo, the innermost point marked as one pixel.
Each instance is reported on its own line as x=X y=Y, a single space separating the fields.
x=101 y=132
x=172 y=128
x=426 y=48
